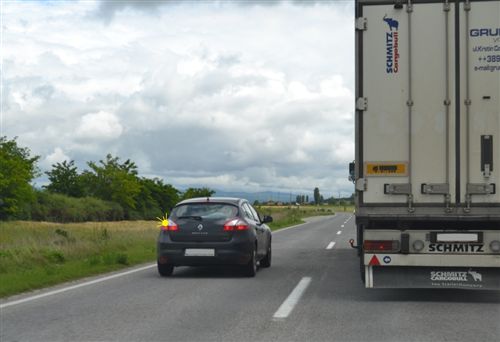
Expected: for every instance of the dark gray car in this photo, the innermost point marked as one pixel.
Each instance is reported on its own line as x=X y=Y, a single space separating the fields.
x=214 y=231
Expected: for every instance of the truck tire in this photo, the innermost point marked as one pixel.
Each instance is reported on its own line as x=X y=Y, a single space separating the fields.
x=359 y=239
x=362 y=265
x=361 y=254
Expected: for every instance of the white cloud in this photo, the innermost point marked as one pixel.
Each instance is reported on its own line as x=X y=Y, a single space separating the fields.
x=101 y=126
x=210 y=94
x=57 y=156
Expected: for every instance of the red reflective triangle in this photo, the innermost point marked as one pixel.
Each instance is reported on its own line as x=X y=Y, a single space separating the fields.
x=374 y=261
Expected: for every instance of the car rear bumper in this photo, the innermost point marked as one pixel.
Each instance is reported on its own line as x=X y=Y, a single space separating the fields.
x=225 y=253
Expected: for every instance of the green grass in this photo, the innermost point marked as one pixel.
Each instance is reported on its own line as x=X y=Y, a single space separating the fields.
x=39 y=254
x=285 y=216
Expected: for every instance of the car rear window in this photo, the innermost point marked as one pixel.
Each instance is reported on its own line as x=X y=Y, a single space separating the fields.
x=205 y=210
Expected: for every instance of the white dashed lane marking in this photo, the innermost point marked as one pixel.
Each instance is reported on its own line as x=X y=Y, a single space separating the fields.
x=330 y=245
x=292 y=300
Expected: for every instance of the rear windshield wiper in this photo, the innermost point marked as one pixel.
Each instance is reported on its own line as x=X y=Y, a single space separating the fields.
x=190 y=217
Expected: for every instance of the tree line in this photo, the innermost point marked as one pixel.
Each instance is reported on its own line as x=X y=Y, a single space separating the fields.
x=319 y=199
x=109 y=189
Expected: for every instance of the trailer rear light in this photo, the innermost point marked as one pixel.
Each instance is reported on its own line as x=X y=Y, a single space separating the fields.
x=381 y=245
x=172 y=226
x=495 y=246
x=235 y=224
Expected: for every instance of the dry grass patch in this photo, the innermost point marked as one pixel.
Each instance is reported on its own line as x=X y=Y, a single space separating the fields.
x=37 y=254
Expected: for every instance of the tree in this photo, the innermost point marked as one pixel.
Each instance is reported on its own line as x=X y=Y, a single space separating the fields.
x=17 y=170
x=317 y=196
x=64 y=179
x=197 y=192
x=113 y=181
x=156 y=197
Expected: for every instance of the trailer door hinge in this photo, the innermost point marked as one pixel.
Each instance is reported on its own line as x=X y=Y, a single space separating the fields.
x=467 y=6
x=397 y=189
x=361 y=184
x=446 y=6
x=361 y=103
x=481 y=189
x=361 y=23
x=435 y=188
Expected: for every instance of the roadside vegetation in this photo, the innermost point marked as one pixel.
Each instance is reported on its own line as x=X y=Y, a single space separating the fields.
x=39 y=254
x=95 y=220
x=285 y=216
x=107 y=190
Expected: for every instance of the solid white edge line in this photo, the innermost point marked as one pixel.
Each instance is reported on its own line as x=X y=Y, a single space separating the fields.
x=291 y=227
x=69 y=288
x=291 y=301
x=331 y=245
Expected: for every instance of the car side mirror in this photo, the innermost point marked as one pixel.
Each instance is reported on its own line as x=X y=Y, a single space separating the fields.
x=267 y=219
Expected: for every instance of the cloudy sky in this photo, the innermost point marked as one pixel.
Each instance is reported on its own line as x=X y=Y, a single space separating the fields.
x=233 y=95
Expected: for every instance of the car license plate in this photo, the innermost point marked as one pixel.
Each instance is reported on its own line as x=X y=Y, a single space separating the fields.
x=208 y=252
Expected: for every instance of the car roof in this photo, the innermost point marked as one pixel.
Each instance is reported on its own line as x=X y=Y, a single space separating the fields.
x=229 y=200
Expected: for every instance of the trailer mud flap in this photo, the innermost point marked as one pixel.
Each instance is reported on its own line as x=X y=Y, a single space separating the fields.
x=473 y=278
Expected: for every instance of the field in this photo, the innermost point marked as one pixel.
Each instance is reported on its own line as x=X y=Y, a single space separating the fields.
x=39 y=254
x=284 y=216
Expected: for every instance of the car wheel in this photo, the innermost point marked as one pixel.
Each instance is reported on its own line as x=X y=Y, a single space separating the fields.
x=266 y=261
x=165 y=270
x=251 y=267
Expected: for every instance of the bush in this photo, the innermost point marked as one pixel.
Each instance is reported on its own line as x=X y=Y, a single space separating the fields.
x=62 y=208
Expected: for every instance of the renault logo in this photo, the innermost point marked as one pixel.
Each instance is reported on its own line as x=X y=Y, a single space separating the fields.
x=200 y=227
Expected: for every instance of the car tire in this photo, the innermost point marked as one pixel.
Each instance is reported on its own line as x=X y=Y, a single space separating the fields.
x=251 y=266
x=165 y=270
x=266 y=261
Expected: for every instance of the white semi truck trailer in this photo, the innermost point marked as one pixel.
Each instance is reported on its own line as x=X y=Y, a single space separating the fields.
x=427 y=167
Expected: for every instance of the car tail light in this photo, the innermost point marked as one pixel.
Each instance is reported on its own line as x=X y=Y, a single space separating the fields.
x=381 y=245
x=235 y=224
x=171 y=227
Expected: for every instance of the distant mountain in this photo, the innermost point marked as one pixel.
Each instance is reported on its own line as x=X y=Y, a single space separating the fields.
x=262 y=196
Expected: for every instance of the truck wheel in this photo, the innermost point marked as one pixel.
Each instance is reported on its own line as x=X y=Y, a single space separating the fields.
x=359 y=239
x=362 y=266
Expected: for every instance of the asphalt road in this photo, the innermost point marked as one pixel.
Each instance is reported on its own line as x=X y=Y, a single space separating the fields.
x=310 y=293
